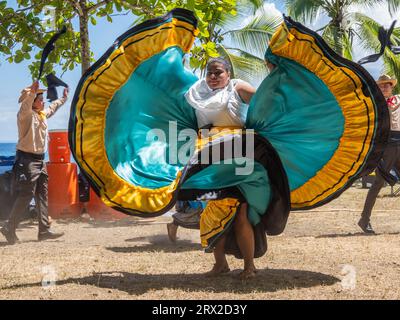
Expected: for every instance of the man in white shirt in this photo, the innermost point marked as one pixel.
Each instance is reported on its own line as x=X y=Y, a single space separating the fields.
x=391 y=155
x=31 y=180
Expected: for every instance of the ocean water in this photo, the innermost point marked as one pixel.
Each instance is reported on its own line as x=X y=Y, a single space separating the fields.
x=8 y=150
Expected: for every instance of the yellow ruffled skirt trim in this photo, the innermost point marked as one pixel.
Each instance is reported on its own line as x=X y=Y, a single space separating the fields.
x=95 y=96
x=216 y=217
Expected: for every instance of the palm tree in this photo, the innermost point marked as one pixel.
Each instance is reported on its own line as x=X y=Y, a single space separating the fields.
x=338 y=31
x=243 y=44
x=368 y=31
x=241 y=39
x=345 y=25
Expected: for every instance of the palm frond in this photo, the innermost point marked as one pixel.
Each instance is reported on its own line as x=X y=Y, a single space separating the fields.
x=368 y=30
x=392 y=66
x=340 y=43
x=228 y=21
x=264 y=20
x=304 y=10
x=365 y=3
x=244 y=9
x=245 y=67
x=255 y=36
x=347 y=47
x=327 y=35
x=393 y=6
x=253 y=4
x=245 y=54
x=396 y=36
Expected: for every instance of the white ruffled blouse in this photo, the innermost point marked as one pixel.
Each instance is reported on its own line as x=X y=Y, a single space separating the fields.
x=220 y=107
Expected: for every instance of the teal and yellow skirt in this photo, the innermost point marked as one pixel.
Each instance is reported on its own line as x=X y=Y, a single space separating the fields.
x=315 y=124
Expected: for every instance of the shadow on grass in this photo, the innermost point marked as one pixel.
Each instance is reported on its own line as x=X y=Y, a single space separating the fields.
x=4 y=244
x=357 y=234
x=89 y=223
x=27 y=224
x=158 y=243
x=129 y=222
x=268 y=280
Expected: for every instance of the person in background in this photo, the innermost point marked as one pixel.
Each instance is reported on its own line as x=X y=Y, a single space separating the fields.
x=391 y=156
x=30 y=173
x=187 y=216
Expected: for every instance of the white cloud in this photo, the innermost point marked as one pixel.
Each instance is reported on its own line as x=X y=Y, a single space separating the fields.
x=269 y=8
x=272 y=9
x=379 y=13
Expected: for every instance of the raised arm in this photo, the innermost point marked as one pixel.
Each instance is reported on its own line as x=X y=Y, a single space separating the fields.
x=26 y=99
x=245 y=91
x=55 y=105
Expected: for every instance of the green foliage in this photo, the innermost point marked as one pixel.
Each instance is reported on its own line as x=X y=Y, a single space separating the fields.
x=224 y=33
x=344 y=26
x=23 y=33
x=209 y=14
x=368 y=30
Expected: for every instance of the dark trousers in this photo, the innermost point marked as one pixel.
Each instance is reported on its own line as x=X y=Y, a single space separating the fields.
x=391 y=160
x=31 y=181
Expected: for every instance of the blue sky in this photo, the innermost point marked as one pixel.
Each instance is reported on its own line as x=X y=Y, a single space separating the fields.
x=14 y=77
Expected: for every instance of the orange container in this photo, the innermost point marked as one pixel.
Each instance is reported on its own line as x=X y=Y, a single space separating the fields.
x=98 y=210
x=63 y=190
x=59 y=151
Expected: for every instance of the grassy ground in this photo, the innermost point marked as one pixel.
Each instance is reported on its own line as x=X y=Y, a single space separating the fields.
x=321 y=255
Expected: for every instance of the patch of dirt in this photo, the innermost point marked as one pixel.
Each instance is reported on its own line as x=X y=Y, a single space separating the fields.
x=321 y=255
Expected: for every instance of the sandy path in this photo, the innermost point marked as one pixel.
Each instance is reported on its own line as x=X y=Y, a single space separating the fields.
x=133 y=259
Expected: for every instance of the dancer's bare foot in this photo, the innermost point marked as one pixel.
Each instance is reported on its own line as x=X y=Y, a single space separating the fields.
x=248 y=273
x=217 y=270
x=172 y=231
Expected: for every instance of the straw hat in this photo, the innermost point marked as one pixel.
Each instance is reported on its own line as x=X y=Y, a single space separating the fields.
x=387 y=79
x=24 y=93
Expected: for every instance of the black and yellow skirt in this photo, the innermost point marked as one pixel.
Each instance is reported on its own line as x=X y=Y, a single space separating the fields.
x=315 y=124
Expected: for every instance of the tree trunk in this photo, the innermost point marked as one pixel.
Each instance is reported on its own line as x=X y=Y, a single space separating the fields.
x=84 y=36
x=339 y=31
x=338 y=37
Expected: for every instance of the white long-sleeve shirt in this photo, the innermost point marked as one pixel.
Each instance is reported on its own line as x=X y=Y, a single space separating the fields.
x=394 y=108
x=32 y=125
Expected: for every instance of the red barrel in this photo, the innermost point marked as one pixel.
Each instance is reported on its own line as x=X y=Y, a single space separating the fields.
x=98 y=210
x=63 y=190
x=59 y=151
